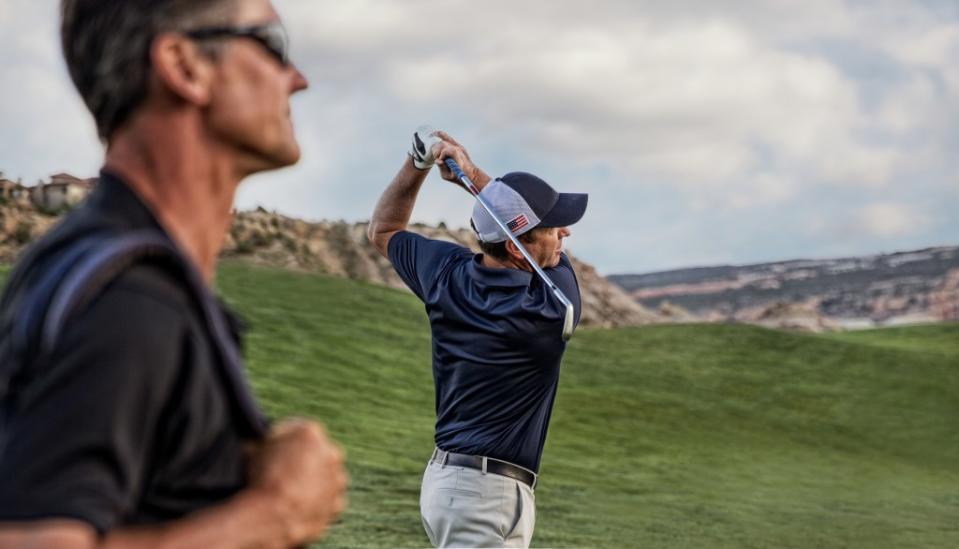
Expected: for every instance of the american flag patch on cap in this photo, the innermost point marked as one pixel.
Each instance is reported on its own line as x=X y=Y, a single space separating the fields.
x=517 y=223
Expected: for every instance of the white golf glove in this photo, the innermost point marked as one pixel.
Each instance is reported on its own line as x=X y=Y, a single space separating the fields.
x=421 y=149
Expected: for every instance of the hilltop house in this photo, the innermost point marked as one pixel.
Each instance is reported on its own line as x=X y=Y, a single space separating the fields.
x=62 y=192
x=13 y=191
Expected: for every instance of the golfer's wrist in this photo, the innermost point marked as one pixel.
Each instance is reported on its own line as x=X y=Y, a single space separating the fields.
x=419 y=164
x=272 y=514
x=479 y=178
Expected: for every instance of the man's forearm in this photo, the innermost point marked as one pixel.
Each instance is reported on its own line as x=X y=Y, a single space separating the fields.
x=393 y=210
x=247 y=520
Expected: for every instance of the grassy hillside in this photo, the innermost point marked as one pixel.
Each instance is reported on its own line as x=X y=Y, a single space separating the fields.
x=666 y=436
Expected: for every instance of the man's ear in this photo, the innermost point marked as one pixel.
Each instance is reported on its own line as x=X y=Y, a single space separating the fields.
x=181 y=68
x=514 y=252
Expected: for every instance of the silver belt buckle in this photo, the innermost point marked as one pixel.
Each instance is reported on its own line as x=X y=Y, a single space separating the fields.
x=440 y=456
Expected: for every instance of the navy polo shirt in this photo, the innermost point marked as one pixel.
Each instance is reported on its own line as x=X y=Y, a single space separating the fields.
x=497 y=346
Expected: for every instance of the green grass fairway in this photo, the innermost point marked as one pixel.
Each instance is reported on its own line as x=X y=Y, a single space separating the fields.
x=665 y=436
x=698 y=436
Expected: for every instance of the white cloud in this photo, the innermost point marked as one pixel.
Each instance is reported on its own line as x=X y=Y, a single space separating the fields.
x=936 y=48
x=726 y=112
x=46 y=128
x=313 y=180
x=702 y=102
x=889 y=219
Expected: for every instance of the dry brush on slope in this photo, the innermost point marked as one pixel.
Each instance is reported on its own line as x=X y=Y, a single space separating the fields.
x=336 y=248
x=340 y=248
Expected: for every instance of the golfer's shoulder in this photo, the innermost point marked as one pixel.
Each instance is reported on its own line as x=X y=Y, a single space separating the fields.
x=411 y=243
x=565 y=264
x=564 y=274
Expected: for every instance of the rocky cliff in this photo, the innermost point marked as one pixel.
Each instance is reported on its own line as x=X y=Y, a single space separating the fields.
x=335 y=248
x=915 y=286
x=341 y=249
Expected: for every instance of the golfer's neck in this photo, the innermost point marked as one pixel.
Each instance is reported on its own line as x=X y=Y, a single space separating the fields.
x=511 y=263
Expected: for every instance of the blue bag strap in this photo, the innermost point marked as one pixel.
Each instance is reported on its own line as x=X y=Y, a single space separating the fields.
x=25 y=304
x=33 y=304
x=95 y=262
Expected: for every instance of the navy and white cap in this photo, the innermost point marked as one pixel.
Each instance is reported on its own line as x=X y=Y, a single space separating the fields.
x=523 y=201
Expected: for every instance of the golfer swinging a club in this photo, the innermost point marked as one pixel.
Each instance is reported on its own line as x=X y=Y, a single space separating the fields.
x=497 y=330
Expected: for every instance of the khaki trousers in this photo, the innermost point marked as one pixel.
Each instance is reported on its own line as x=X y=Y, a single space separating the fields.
x=463 y=507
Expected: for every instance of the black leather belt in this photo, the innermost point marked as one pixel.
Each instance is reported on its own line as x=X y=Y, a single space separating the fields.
x=494 y=466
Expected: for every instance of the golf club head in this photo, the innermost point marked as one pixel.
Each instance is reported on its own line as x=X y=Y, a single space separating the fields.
x=568 y=322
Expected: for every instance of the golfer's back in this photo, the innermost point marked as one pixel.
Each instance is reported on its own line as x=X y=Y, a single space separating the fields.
x=497 y=347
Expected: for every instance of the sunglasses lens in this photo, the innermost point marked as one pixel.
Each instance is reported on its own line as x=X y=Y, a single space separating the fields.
x=271 y=36
x=275 y=39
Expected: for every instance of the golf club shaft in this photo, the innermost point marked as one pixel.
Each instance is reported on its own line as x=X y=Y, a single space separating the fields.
x=568 y=320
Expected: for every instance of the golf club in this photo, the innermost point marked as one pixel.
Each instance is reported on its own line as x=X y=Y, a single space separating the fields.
x=570 y=313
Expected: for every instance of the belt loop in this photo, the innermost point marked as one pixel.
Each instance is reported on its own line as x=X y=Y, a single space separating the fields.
x=535 y=481
x=446 y=457
x=433 y=457
x=484 y=465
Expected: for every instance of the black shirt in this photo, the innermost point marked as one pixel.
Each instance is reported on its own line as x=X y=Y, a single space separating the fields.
x=128 y=422
x=497 y=346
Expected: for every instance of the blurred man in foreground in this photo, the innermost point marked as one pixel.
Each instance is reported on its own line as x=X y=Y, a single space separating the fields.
x=134 y=430
x=497 y=342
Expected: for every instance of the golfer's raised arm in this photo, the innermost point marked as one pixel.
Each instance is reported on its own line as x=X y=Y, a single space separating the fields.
x=447 y=147
x=395 y=206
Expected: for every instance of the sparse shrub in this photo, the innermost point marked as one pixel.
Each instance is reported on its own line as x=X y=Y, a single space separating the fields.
x=260 y=239
x=244 y=247
x=23 y=233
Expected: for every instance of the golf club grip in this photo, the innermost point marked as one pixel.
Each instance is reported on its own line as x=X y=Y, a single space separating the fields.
x=458 y=172
x=455 y=168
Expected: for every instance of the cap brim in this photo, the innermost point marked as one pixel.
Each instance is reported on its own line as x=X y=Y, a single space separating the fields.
x=568 y=210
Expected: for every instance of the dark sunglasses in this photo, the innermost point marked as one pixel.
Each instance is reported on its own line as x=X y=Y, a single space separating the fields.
x=271 y=36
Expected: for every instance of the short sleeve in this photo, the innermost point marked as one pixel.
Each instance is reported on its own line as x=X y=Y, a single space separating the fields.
x=80 y=437
x=418 y=260
x=564 y=277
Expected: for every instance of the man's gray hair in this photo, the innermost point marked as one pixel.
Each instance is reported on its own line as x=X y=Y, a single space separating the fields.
x=106 y=44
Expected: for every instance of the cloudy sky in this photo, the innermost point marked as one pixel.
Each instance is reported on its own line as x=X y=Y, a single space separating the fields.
x=706 y=132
